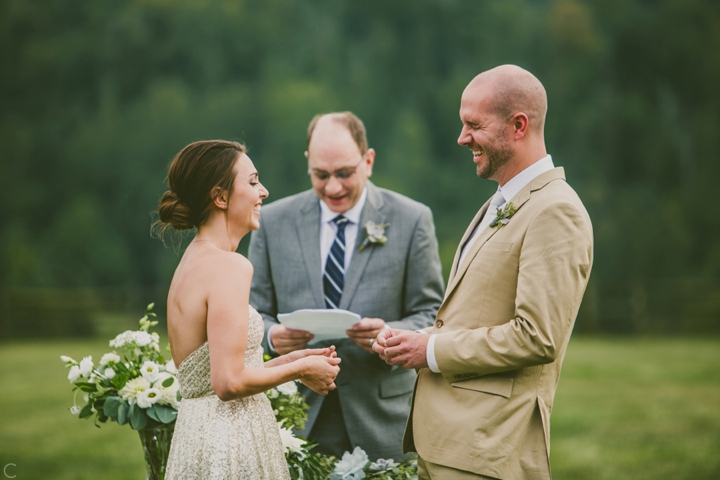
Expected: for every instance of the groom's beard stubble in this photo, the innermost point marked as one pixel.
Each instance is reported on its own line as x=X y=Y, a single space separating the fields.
x=497 y=154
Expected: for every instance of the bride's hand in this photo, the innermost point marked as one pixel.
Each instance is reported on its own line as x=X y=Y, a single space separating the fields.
x=298 y=354
x=319 y=372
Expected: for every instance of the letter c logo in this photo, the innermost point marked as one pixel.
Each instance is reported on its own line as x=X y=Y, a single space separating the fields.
x=6 y=472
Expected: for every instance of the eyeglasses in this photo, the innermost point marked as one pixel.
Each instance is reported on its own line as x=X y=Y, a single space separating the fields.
x=340 y=174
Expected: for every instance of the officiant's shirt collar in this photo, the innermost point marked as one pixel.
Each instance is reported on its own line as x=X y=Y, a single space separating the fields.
x=518 y=182
x=353 y=215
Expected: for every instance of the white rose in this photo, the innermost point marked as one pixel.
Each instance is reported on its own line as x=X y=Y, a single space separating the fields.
x=150 y=370
x=169 y=394
x=142 y=338
x=289 y=388
x=110 y=358
x=120 y=340
x=147 y=398
x=132 y=388
x=351 y=465
x=290 y=441
x=86 y=366
x=74 y=374
x=109 y=372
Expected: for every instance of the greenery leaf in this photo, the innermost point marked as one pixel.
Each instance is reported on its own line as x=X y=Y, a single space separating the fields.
x=138 y=418
x=165 y=414
x=86 y=386
x=112 y=407
x=86 y=411
x=168 y=381
x=123 y=414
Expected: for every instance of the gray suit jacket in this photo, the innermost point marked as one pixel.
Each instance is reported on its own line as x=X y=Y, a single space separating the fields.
x=400 y=282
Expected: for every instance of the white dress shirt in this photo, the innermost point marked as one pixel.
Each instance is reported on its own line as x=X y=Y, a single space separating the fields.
x=328 y=230
x=509 y=190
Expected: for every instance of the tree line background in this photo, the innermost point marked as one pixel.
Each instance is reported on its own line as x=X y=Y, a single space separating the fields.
x=97 y=97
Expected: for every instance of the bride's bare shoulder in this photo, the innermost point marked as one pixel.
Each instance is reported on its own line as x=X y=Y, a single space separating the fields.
x=230 y=263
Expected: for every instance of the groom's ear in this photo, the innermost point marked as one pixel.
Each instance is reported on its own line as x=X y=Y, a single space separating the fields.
x=520 y=123
x=219 y=197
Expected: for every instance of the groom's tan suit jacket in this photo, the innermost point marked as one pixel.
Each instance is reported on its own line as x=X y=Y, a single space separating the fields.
x=502 y=332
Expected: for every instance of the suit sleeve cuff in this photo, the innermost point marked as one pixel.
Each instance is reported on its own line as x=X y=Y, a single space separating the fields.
x=271 y=347
x=431 y=360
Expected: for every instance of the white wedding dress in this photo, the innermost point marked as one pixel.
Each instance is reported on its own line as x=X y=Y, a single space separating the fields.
x=213 y=439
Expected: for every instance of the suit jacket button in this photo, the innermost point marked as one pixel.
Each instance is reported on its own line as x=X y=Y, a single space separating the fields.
x=439 y=323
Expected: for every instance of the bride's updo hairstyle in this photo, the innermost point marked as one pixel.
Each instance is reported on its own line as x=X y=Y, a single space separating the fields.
x=198 y=174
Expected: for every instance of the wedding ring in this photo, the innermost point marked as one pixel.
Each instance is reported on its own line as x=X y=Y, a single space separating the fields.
x=371 y=341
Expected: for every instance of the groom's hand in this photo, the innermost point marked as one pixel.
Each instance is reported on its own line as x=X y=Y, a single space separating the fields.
x=404 y=348
x=364 y=332
x=285 y=340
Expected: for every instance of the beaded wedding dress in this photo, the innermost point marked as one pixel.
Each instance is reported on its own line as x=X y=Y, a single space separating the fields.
x=237 y=439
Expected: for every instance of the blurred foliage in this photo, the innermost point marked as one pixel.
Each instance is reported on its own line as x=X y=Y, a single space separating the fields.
x=97 y=97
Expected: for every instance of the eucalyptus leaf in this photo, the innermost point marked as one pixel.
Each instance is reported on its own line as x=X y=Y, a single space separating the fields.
x=152 y=412
x=165 y=414
x=168 y=381
x=86 y=411
x=112 y=407
x=123 y=414
x=138 y=419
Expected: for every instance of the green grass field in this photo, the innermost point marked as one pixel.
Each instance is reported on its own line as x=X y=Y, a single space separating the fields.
x=625 y=410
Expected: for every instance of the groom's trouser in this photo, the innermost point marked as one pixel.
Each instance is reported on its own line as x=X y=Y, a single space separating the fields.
x=329 y=430
x=433 y=471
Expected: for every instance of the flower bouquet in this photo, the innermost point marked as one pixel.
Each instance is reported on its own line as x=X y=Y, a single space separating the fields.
x=131 y=385
x=291 y=413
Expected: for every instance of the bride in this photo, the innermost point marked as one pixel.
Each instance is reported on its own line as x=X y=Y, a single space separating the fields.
x=225 y=426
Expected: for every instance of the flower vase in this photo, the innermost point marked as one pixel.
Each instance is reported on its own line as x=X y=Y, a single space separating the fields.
x=156 y=447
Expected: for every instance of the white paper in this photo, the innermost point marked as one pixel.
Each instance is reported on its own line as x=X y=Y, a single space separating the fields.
x=324 y=324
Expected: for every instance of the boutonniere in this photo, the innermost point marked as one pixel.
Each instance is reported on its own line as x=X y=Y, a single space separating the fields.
x=503 y=215
x=374 y=233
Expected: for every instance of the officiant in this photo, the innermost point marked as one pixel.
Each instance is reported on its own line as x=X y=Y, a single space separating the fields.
x=348 y=244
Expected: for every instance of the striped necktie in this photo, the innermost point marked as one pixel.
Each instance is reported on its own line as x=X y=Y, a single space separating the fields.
x=334 y=276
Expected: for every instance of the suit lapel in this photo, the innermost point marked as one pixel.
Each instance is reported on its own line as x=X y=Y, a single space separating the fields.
x=468 y=233
x=518 y=200
x=308 y=229
x=359 y=260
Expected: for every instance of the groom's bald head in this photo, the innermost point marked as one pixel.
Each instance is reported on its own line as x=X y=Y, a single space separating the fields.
x=513 y=89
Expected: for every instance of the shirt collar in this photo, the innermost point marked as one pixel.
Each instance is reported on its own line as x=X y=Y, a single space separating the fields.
x=353 y=215
x=518 y=182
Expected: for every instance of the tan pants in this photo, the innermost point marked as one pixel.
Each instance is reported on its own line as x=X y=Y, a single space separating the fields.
x=433 y=471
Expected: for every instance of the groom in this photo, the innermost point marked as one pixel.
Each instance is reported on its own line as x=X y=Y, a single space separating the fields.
x=489 y=367
x=308 y=253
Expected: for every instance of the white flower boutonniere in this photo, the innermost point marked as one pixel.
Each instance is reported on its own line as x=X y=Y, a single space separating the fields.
x=503 y=215
x=374 y=234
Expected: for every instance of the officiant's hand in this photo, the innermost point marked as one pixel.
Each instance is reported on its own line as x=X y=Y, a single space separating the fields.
x=365 y=331
x=403 y=348
x=285 y=340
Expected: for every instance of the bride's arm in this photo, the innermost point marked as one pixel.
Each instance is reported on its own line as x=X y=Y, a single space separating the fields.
x=298 y=354
x=227 y=330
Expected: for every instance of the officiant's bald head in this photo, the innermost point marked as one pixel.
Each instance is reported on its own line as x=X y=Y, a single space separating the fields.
x=339 y=160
